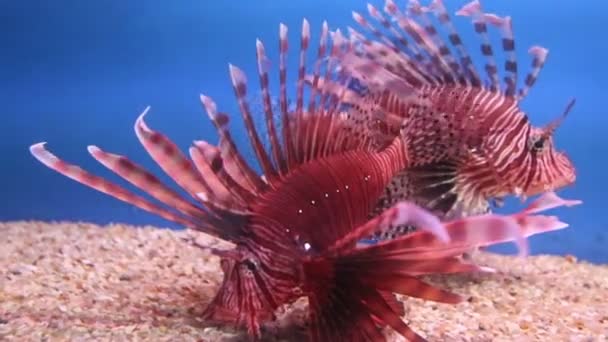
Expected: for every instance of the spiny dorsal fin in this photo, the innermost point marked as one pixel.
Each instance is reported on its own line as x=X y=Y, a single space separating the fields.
x=229 y=149
x=445 y=54
x=539 y=54
x=275 y=145
x=426 y=59
x=473 y=10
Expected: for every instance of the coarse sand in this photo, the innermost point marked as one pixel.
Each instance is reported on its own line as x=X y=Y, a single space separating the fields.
x=82 y=282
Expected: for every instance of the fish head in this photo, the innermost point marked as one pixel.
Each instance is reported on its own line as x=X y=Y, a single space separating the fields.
x=547 y=168
x=529 y=163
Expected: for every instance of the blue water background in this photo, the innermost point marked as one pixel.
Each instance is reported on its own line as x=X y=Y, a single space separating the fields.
x=75 y=73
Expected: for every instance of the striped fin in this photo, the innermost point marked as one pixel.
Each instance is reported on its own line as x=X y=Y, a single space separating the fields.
x=414 y=287
x=102 y=185
x=445 y=53
x=299 y=113
x=218 y=176
x=540 y=56
x=381 y=64
x=219 y=217
x=232 y=166
x=426 y=55
x=144 y=180
x=325 y=133
x=168 y=156
x=213 y=157
x=508 y=46
x=220 y=120
x=395 y=304
x=400 y=213
x=379 y=67
x=210 y=164
x=448 y=265
x=482 y=230
x=397 y=36
x=454 y=37
x=422 y=40
x=410 y=63
x=473 y=10
x=239 y=83
x=349 y=287
x=304 y=43
x=549 y=200
x=275 y=145
x=410 y=69
x=293 y=128
x=217 y=189
x=445 y=195
x=320 y=84
x=430 y=186
x=339 y=44
x=361 y=277
x=463 y=235
x=285 y=116
x=314 y=79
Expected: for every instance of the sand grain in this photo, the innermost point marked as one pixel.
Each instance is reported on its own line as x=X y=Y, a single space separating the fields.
x=76 y=281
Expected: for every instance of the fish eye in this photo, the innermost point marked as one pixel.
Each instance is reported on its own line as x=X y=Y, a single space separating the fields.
x=537 y=143
x=249 y=264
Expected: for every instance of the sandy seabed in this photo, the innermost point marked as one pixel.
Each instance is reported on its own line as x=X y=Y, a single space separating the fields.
x=82 y=282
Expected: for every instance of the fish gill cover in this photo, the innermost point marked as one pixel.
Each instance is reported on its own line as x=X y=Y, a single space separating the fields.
x=381 y=137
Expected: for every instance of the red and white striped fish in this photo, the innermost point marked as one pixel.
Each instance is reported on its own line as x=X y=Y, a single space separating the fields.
x=468 y=140
x=295 y=229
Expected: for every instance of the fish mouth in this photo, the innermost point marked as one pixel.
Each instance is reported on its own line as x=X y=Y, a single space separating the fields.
x=555 y=185
x=563 y=175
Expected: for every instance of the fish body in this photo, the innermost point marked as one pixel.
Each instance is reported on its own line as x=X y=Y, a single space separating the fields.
x=294 y=227
x=469 y=142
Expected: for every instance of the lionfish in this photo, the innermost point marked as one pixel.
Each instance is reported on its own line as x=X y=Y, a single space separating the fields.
x=295 y=227
x=469 y=143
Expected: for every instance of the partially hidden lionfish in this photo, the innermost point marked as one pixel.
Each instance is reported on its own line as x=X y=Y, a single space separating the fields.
x=295 y=227
x=469 y=143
